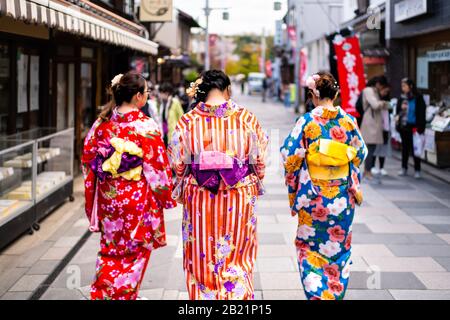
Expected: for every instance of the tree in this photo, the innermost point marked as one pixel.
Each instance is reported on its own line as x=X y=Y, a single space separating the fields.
x=248 y=49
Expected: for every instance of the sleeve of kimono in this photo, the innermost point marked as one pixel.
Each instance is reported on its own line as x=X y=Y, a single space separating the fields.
x=177 y=152
x=89 y=154
x=359 y=144
x=361 y=153
x=293 y=153
x=261 y=141
x=156 y=167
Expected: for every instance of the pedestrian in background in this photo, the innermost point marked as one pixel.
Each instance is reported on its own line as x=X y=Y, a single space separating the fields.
x=183 y=97
x=265 y=86
x=170 y=110
x=383 y=151
x=411 y=111
x=286 y=90
x=218 y=153
x=322 y=156
x=151 y=107
x=372 y=126
x=128 y=183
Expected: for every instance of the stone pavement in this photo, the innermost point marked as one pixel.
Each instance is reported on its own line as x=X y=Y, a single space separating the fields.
x=401 y=239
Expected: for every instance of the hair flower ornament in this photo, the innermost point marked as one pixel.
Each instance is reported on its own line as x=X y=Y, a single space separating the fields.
x=116 y=80
x=193 y=89
x=311 y=84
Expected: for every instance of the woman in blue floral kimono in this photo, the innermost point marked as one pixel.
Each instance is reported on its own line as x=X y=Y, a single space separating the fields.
x=321 y=157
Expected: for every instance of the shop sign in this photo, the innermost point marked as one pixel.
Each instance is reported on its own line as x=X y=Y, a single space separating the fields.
x=156 y=11
x=278 y=40
x=438 y=56
x=408 y=9
x=422 y=73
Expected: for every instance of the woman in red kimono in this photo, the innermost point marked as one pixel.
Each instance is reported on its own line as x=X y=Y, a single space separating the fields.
x=127 y=184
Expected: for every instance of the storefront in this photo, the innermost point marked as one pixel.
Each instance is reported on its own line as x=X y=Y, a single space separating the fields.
x=62 y=57
x=419 y=42
x=56 y=61
x=24 y=56
x=371 y=30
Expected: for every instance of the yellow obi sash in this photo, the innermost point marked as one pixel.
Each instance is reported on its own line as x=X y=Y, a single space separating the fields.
x=329 y=160
x=113 y=163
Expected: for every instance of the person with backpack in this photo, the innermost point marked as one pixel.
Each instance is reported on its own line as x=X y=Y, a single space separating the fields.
x=372 y=126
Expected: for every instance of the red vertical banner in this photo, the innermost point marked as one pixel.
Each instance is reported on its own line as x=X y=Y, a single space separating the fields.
x=351 y=71
x=292 y=34
x=269 y=68
x=303 y=66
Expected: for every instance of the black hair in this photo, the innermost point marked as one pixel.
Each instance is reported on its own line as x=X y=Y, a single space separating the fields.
x=166 y=87
x=128 y=86
x=327 y=85
x=211 y=79
x=412 y=85
x=381 y=80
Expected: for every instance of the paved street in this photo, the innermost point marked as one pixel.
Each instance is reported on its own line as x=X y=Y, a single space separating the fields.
x=401 y=240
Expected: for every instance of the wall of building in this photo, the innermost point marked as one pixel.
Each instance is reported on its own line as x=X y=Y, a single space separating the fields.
x=437 y=18
x=169 y=34
x=406 y=36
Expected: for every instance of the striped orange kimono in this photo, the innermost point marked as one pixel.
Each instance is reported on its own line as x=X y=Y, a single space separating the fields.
x=219 y=226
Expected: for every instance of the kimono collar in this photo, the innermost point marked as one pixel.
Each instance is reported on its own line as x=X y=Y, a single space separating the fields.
x=221 y=111
x=326 y=112
x=126 y=117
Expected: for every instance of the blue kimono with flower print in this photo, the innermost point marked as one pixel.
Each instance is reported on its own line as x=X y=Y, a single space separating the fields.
x=324 y=207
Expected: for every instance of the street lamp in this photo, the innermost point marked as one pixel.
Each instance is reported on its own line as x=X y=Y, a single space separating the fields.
x=225 y=16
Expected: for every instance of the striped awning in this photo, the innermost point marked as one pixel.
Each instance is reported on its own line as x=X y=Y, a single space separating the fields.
x=74 y=19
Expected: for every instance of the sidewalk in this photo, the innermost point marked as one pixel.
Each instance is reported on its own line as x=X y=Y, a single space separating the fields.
x=28 y=261
x=438 y=173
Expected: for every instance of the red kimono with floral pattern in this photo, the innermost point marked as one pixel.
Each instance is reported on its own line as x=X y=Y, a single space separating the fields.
x=128 y=182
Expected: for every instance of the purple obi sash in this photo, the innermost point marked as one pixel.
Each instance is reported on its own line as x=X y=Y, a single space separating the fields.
x=127 y=163
x=210 y=179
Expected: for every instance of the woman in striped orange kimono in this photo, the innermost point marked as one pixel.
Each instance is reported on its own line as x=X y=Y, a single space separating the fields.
x=217 y=152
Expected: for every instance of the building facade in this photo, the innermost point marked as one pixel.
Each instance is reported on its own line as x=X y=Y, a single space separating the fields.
x=174 y=40
x=419 y=41
x=57 y=58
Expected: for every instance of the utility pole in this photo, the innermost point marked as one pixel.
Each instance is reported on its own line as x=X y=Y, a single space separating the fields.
x=263 y=51
x=208 y=10
x=207 y=57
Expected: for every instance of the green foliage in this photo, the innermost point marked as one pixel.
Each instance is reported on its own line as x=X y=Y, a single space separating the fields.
x=248 y=48
x=191 y=76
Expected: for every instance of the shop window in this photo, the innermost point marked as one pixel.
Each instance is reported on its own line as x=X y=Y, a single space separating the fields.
x=65 y=51
x=65 y=96
x=27 y=89
x=87 y=53
x=4 y=87
x=88 y=110
x=61 y=96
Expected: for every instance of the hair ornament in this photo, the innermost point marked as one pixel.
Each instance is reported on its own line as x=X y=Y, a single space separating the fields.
x=311 y=84
x=194 y=88
x=116 y=80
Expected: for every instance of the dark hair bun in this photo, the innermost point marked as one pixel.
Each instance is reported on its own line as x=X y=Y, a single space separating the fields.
x=327 y=86
x=212 y=79
x=130 y=84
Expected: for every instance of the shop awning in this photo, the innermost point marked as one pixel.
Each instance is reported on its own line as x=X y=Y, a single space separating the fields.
x=76 y=20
